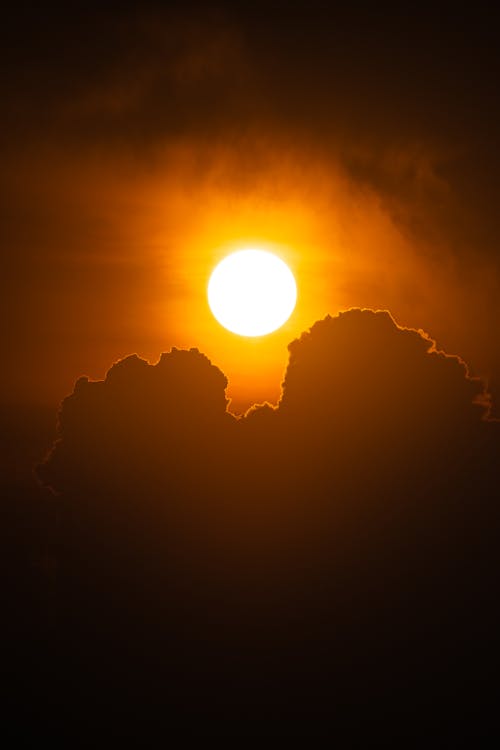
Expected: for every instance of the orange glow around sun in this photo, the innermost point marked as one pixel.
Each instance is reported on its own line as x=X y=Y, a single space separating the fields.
x=223 y=221
x=153 y=238
x=311 y=221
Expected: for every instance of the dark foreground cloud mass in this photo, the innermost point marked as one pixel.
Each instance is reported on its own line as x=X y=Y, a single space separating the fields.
x=332 y=557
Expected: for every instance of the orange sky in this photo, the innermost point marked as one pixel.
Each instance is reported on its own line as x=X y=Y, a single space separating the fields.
x=130 y=250
x=127 y=179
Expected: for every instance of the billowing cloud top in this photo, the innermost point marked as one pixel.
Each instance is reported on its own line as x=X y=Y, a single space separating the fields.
x=350 y=528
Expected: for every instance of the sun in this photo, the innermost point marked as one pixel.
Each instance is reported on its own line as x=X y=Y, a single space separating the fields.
x=252 y=292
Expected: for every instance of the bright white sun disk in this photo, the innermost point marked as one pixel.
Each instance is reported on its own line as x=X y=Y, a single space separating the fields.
x=252 y=292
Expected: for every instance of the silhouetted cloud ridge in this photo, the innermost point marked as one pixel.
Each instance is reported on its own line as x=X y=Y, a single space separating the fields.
x=351 y=528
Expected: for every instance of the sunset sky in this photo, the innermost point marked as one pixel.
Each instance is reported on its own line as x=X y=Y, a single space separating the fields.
x=140 y=146
x=204 y=528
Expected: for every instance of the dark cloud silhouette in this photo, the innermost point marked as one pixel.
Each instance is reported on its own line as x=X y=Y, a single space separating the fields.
x=141 y=418
x=329 y=555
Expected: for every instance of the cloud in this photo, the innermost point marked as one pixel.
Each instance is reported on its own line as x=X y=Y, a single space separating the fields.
x=143 y=426
x=348 y=530
x=370 y=381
